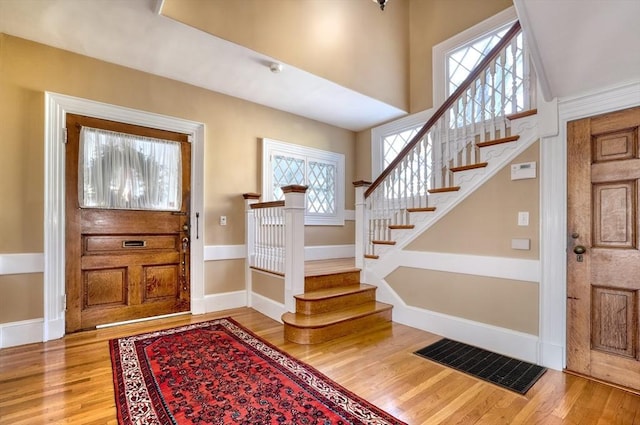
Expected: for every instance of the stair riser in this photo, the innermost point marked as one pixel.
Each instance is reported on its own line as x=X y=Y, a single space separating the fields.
x=309 y=307
x=318 y=335
x=313 y=283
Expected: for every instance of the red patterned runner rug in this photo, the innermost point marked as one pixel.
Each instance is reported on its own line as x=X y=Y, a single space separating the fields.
x=218 y=372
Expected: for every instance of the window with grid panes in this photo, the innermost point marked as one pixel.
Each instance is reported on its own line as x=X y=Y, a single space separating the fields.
x=461 y=61
x=453 y=61
x=321 y=171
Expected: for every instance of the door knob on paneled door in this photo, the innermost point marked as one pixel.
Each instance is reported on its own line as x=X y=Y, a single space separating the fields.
x=579 y=249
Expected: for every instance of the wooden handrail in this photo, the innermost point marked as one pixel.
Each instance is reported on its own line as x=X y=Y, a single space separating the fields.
x=515 y=29
x=270 y=204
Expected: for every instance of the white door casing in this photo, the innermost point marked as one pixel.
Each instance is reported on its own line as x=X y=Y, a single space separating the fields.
x=56 y=108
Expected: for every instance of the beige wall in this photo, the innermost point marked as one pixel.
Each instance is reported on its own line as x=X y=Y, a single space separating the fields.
x=486 y=221
x=350 y=42
x=363 y=155
x=431 y=22
x=233 y=130
x=509 y=304
x=268 y=286
x=483 y=224
x=22 y=297
x=385 y=55
x=223 y=276
x=331 y=235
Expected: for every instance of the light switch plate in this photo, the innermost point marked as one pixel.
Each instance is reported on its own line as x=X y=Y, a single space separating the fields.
x=523 y=218
x=523 y=244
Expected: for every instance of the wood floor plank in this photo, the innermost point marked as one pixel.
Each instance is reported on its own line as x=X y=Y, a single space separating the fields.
x=70 y=381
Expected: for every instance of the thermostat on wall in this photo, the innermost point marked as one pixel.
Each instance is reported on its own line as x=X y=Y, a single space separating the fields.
x=524 y=170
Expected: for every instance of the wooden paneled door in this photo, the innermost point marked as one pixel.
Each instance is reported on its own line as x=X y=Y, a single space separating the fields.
x=603 y=260
x=124 y=264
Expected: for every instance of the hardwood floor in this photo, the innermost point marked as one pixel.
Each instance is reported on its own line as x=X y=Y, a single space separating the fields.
x=69 y=380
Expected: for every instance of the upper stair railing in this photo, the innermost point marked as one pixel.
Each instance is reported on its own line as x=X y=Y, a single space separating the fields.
x=475 y=115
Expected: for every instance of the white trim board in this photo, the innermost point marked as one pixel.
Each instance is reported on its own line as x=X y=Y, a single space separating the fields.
x=21 y=332
x=56 y=108
x=500 y=340
x=320 y=252
x=224 y=252
x=21 y=263
x=267 y=306
x=477 y=265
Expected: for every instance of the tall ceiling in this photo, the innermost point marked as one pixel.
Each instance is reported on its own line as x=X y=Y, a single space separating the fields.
x=578 y=46
x=134 y=34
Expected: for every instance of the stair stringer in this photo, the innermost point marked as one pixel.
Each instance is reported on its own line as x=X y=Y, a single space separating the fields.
x=497 y=157
x=505 y=341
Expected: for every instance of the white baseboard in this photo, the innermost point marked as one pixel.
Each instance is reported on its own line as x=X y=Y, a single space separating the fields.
x=500 y=340
x=552 y=355
x=20 y=333
x=511 y=343
x=225 y=301
x=267 y=306
x=326 y=252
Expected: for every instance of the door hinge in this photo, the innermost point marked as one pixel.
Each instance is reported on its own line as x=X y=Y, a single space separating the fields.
x=64 y=302
x=65 y=136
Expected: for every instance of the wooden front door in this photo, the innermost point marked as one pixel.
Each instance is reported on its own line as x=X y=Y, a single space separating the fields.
x=603 y=282
x=132 y=262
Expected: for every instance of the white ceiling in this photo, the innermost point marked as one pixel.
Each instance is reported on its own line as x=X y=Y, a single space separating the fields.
x=581 y=46
x=132 y=34
x=564 y=34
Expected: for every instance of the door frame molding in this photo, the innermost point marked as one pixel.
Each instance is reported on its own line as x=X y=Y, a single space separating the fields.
x=56 y=108
x=553 y=208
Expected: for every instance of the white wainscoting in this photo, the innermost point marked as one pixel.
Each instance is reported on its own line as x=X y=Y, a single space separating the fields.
x=499 y=267
x=501 y=340
x=21 y=263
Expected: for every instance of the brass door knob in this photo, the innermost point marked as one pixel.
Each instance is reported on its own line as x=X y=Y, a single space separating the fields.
x=579 y=249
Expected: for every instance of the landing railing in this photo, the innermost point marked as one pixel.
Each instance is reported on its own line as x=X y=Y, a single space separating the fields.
x=274 y=239
x=475 y=114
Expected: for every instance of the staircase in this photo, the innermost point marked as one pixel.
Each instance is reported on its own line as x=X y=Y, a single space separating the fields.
x=485 y=123
x=334 y=304
x=393 y=229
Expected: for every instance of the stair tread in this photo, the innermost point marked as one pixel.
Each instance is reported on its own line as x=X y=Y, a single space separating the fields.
x=334 y=317
x=469 y=167
x=378 y=242
x=421 y=209
x=444 y=189
x=401 y=226
x=522 y=114
x=497 y=141
x=320 y=294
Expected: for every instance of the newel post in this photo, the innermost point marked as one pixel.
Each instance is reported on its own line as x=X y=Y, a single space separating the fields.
x=362 y=224
x=249 y=240
x=294 y=208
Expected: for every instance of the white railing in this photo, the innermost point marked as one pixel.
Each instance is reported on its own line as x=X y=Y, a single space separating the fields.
x=268 y=235
x=450 y=141
x=275 y=239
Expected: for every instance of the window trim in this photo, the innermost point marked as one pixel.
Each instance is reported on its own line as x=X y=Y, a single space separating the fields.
x=271 y=147
x=441 y=51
